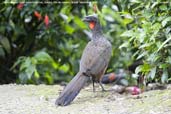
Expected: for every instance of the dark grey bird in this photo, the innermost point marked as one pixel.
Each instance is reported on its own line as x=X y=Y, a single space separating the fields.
x=93 y=64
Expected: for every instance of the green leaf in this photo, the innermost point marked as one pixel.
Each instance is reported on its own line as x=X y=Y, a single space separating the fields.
x=168 y=59
x=125 y=44
x=2 y=53
x=5 y=43
x=79 y=22
x=146 y=67
x=66 y=9
x=164 y=76
x=30 y=70
x=128 y=33
x=153 y=57
x=141 y=55
x=147 y=26
x=147 y=14
x=164 y=43
x=12 y=24
x=55 y=65
x=164 y=65
x=49 y=78
x=165 y=21
x=64 y=68
x=36 y=74
x=23 y=77
x=65 y=17
x=27 y=68
x=19 y=60
x=138 y=69
x=143 y=68
x=127 y=21
x=152 y=73
x=25 y=64
x=154 y=4
x=69 y=29
x=109 y=18
x=135 y=1
x=43 y=57
x=135 y=76
x=163 y=7
x=145 y=45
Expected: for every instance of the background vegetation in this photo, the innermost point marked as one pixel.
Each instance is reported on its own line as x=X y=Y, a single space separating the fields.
x=43 y=43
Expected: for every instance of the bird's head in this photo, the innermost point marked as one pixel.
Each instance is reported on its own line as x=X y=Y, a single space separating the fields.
x=92 y=20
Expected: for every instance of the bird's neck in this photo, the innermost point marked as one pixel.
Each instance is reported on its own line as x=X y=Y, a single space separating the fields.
x=97 y=33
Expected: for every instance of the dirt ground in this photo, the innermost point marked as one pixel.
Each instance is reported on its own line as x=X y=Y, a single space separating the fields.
x=40 y=99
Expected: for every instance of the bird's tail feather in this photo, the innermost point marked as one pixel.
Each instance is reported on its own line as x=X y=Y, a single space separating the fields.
x=72 y=89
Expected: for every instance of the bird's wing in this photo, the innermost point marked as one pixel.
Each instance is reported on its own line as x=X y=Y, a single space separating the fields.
x=95 y=58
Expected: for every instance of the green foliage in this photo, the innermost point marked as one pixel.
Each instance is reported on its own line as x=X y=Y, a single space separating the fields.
x=30 y=68
x=24 y=35
x=150 y=36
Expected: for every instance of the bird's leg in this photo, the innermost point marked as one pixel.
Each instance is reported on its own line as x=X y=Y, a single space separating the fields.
x=93 y=85
x=101 y=86
x=92 y=79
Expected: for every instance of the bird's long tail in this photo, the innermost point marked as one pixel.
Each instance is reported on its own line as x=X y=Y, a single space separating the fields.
x=72 y=89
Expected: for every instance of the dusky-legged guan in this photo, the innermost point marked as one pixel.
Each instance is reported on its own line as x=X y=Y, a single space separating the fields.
x=94 y=61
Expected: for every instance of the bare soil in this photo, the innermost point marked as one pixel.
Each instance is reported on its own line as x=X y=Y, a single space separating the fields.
x=40 y=99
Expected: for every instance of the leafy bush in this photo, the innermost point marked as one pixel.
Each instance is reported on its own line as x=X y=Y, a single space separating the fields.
x=30 y=67
x=150 y=35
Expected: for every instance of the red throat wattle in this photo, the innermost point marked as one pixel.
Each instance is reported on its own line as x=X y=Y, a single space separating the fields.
x=92 y=25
